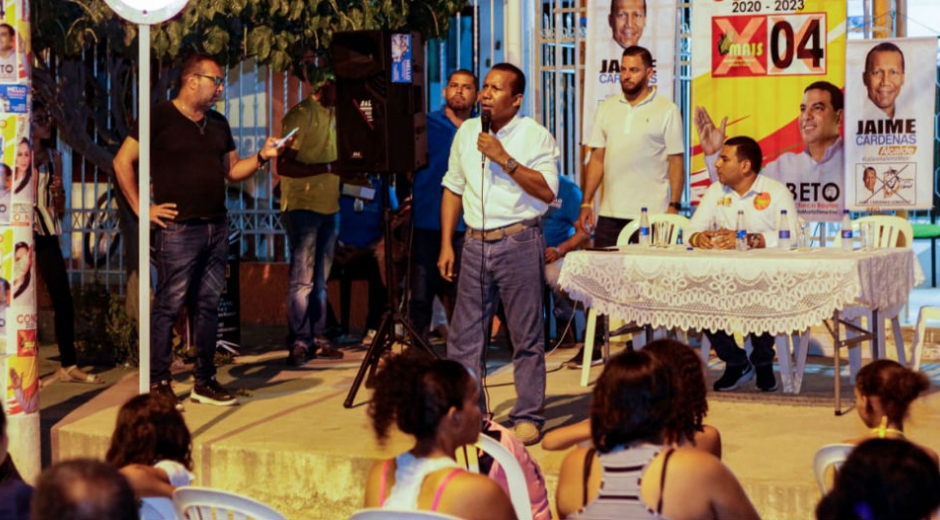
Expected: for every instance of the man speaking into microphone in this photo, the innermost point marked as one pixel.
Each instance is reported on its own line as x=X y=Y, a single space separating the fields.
x=503 y=173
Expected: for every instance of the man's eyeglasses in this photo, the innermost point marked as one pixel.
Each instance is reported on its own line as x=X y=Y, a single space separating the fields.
x=215 y=79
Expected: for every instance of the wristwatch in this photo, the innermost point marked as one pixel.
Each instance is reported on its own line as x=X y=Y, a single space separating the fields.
x=510 y=166
x=676 y=205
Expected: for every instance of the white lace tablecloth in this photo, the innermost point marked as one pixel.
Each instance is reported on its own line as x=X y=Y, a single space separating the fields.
x=761 y=290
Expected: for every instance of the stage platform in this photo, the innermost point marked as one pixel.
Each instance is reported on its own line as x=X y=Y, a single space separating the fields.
x=292 y=444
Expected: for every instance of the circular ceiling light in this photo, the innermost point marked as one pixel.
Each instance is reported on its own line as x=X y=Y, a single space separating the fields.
x=147 y=12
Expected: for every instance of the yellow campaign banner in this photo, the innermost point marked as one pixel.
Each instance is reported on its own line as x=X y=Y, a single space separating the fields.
x=752 y=64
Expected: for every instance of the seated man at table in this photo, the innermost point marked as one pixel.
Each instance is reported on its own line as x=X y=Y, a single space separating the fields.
x=740 y=187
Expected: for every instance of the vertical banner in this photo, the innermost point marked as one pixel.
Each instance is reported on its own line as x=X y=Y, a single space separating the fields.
x=889 y=123
x=753 y=64
x=612 y=26
x=19 y=349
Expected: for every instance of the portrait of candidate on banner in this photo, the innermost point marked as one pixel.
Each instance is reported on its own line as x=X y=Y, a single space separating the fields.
x=614 y=25
x=889 y=140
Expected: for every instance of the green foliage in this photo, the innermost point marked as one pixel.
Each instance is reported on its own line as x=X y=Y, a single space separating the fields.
x=287 y=35
x=104 y=335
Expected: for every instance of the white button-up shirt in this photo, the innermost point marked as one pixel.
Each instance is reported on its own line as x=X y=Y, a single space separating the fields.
x=491 y=197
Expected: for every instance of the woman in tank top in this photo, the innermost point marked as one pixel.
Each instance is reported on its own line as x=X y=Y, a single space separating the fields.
x=634 y=473
x=685 y=426
x=436 y=401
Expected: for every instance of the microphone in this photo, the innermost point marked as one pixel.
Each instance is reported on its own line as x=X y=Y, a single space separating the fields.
x=486 y=118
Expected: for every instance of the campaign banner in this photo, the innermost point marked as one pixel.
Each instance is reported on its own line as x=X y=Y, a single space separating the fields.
x=612 y=26
x=889 y=123
x=752 y=66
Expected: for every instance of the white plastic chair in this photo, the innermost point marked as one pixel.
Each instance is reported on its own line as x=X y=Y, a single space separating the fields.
x=377 y=513
x=917 y=351
x=518 y=487
x=675 y=225
x=889 y=231
x=830 y=455
x=197 y=503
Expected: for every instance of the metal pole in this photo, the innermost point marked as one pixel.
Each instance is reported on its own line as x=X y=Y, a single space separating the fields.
x=143 y=187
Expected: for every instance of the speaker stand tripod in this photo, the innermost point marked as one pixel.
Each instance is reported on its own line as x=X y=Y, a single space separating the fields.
x=386 y=335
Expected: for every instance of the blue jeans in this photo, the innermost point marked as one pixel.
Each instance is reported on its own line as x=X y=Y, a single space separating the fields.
x=190 y=258
x=312 y=239
x=426 y=281
x=511 y=270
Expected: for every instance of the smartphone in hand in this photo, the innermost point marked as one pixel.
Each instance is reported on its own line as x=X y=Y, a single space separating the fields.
x=280 y=142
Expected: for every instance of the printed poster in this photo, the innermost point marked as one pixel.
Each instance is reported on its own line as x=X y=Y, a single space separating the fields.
x=753 y=64
x=890 y=89
x=612 y=26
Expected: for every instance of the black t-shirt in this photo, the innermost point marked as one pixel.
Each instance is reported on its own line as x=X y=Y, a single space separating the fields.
x=187 y=165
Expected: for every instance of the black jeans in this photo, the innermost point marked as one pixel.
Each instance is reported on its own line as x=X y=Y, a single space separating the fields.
x=733 y=355
x=52 y=269
x=605 y=235
x=426 y=281
x=608 y=230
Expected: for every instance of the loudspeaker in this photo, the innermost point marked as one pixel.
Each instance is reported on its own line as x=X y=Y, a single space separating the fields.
x=381 y=124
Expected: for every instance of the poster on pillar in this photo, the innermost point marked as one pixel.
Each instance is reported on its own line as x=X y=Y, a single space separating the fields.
x=18 y=339
x=19 y=319
x=773 y=71
x=889 y=91
x=613 y=25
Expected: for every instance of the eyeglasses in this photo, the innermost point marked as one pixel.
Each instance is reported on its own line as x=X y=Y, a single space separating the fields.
x=42 y=120
x=215 y=79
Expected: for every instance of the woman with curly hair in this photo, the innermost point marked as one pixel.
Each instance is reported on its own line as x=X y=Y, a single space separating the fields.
x=152 y=447
x=884 y=391
x=437 y=402
x=685 y=425
x=633 y=471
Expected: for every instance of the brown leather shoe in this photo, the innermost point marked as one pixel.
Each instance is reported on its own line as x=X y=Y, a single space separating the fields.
x=328 y=352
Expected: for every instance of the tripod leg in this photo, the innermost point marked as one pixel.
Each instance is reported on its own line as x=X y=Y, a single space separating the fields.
x=416 y=339
x=376 y=349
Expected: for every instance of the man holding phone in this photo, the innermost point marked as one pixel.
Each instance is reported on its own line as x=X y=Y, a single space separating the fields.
x=310 y=191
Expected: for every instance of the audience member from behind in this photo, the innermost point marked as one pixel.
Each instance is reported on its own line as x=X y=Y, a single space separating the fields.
x=152 y=447
x=437 y=402
x=83 y=489
x=630 y=412
x=685 y=426
x=884 y=391
x=883 y=479
x=14 y=493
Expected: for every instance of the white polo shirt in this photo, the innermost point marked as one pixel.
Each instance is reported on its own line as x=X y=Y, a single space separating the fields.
x=491 y=197
x=636 y=141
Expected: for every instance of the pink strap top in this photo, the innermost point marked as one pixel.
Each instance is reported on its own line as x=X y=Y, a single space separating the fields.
x=437 y=495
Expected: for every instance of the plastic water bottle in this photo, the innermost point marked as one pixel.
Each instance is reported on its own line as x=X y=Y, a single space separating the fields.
x=847 y=244
x=644 y=227
x=740 y=233
x=783 y=231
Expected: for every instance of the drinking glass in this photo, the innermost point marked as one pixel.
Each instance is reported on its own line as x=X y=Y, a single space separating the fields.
x=661 y=234
x=869 y=235
x=802 y=238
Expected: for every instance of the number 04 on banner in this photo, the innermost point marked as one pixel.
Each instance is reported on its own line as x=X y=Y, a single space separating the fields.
x=769 y=45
